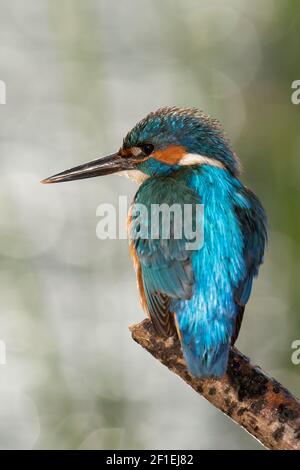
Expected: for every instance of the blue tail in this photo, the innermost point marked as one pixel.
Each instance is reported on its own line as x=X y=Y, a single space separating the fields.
x=204 y=364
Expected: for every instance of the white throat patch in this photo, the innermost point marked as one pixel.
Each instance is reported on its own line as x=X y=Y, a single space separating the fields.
x=136 y=175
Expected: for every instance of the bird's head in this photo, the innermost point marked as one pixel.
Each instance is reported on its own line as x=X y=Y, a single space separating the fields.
x=163 y=142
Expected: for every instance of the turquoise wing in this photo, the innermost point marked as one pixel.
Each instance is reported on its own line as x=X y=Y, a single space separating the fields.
x=164 y=260
x=253 y=223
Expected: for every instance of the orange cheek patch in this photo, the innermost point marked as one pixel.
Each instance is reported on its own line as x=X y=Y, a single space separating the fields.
x=171 y=155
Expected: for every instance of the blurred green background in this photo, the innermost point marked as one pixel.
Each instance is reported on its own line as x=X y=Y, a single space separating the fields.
x=78 y=76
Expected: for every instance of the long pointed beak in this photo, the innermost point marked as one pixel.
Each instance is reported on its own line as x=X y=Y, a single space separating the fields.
x=102 y=166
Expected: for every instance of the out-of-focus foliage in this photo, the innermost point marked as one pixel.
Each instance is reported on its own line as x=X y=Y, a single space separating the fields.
x=78 y=76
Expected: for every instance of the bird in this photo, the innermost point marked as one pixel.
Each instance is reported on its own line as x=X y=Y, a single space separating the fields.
x=182 y=156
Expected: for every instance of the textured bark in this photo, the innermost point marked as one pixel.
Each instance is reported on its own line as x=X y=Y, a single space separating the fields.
x=246 y=394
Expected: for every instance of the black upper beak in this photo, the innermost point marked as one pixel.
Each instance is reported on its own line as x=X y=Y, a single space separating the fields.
x=102 y=166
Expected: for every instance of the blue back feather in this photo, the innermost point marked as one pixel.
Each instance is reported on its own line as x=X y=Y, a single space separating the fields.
x=206 y=294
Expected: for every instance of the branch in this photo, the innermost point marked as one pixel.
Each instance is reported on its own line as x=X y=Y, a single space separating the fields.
x=251 y=398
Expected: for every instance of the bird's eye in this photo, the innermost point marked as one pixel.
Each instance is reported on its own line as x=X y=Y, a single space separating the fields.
x=147 y=148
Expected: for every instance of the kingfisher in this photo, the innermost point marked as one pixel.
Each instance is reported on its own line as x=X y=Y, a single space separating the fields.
x=182 y=156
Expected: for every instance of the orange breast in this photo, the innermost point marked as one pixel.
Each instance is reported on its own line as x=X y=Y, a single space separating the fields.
x=137 y=267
